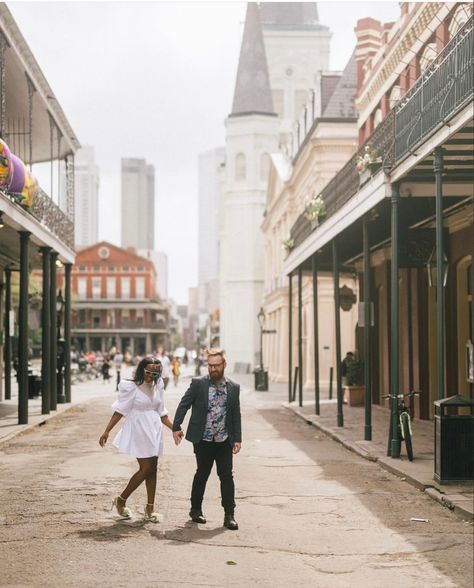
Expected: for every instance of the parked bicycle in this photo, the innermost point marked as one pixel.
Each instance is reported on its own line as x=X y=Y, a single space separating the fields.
x=404 y=421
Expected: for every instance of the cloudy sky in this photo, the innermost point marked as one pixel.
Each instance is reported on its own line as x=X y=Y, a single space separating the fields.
x=155 y=80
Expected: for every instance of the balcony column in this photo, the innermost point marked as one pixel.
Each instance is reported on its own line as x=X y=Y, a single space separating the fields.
x=438 y=167
x=53 y=332
x=67 y=331
x=23 y=331
x=290 y=336
x=7 y=350
x=367 y=331
x=46 y=334
x=394 y=449
x=300 y=336
x=315 y=334
x=337 y=317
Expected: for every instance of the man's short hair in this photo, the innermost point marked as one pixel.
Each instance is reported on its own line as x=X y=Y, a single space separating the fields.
x=216 y=351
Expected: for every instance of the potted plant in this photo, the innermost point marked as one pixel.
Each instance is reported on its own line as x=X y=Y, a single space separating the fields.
x=315 y=209
x=354 y=390
x=287 y=244
x=368 y=163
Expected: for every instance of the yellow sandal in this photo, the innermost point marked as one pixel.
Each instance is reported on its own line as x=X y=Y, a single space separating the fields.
x=154 y=517
x=125 y=512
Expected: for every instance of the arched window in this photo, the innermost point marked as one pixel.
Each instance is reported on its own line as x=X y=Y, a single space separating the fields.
x=428 y=56
x=264 y=166
x=394 y=97
x=378 y=117
x=240 y=167
x=459 y=19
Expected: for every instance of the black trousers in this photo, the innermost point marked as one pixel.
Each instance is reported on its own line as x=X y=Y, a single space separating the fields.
x=208 y=452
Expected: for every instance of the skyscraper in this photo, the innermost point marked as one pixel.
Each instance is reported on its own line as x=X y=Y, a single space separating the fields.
x=138 y=204
x=86 y=198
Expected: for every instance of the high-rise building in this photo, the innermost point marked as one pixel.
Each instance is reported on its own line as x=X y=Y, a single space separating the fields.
x=160 y=260
x=138 y=204
x=86 y=206
x=210 y=172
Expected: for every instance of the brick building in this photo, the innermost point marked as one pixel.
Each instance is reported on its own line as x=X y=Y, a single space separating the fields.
x=115 y=302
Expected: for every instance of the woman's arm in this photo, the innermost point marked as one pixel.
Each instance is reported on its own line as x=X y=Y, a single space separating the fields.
x=114 y=419
x=167 y=422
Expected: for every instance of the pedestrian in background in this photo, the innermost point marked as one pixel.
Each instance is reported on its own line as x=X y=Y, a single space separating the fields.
x=141 y=402
x=215 y=431
x=105 y=369
x=176 y=369
x=166 y=364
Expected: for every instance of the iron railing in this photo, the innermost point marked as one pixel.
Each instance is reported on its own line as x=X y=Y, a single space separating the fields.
x=51 y=216
x=443 y=89
x=445 y=86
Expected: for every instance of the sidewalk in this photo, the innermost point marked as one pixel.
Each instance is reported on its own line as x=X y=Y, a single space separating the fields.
x=418 y=473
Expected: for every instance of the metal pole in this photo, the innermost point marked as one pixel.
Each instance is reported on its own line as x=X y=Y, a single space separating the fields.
x=45 y=334
x=438 y=167
x=316 y=335
x=331 y=377
x=394 y=326
x=300 y=336
x=337 y=316
x=23 y=331
x=290 y=336
x=52 y=333
x=67 y=332
x=367 y=332
x=8 y=342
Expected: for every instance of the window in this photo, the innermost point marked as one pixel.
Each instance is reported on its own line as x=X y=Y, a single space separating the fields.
x=394 y=96
x=240 y=167
x=96 y=319
x=428 y=56
x=139 y=287
x=82 y=316
x=460 y=17
x=279 y=102
x=378 y=117
x=111 y=268
x=126 y=268
x=96 y=284
x=96 y=269
x=125 y=287
x=82 y=287
x=111 y=288
x=140 y=268
x=139 y=316
x=82 y=268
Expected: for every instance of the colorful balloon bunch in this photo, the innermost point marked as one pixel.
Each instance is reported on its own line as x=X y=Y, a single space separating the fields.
x=15 y=178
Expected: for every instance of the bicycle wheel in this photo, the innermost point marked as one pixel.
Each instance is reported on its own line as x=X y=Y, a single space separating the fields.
x=406 y=433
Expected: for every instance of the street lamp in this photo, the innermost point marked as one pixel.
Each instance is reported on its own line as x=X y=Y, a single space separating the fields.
x=261 y=322
x=431 y=267
x=60 y=350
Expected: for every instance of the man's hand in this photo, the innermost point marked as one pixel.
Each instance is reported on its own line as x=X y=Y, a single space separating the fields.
x=178 y=436
x=236 y=447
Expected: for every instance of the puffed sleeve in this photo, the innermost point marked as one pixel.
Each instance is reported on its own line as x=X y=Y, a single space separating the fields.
x=161 y=408
x=126 y=397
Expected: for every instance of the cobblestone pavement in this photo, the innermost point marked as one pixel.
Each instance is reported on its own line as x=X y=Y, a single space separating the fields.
x=310 y=513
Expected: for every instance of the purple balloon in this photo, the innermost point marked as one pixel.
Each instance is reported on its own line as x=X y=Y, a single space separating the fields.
x=17 y=181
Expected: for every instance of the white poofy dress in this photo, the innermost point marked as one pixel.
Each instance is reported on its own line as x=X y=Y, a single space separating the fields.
x=142 y=431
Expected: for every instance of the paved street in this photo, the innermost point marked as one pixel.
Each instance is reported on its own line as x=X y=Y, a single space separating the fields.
x=310 y=512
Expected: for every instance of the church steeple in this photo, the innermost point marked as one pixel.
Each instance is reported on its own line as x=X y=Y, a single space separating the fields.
x=252 y=94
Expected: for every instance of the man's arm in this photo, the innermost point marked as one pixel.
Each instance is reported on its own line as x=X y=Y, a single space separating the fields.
x=237 y=422
x=186 y=401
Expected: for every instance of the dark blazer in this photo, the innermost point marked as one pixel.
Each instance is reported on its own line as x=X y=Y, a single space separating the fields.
x=197 y=397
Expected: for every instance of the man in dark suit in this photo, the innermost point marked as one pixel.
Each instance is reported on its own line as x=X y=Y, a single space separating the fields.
x=215 y=431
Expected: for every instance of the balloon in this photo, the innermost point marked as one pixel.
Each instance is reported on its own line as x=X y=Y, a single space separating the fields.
x=23 y=183
x=5 y=165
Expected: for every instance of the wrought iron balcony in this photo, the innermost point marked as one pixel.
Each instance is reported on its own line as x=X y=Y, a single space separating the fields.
x=50 y=215
x=445 y=87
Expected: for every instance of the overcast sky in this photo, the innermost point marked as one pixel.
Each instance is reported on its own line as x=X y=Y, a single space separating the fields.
x=155 y=80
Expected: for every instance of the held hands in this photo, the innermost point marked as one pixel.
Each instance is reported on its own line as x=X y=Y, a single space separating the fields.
x=178 y=437
x=103 y=439
x=236 y=447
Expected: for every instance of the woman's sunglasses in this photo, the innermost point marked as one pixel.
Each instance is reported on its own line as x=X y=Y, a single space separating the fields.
x=154 y=373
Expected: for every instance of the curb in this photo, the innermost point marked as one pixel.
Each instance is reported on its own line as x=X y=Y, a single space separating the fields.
x=431 y=491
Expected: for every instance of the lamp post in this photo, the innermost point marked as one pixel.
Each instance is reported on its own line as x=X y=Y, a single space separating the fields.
x=61 y=398
x=261 y=322
x=198 y=353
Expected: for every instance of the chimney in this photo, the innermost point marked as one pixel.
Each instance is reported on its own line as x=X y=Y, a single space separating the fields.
x=369 y=33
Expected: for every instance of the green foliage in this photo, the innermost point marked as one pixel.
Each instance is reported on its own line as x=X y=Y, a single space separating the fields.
x=355 y=372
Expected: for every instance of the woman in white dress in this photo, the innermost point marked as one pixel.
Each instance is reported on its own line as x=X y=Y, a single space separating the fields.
x=141 y=402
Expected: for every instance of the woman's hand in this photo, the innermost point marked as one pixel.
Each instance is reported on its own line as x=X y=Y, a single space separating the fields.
x=103 y=438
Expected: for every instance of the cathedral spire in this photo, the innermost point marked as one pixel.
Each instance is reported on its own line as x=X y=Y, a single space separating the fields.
x=252 y=94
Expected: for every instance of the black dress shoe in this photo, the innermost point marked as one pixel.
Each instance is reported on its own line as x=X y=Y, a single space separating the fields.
x=197 y=517
x=230 y=522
